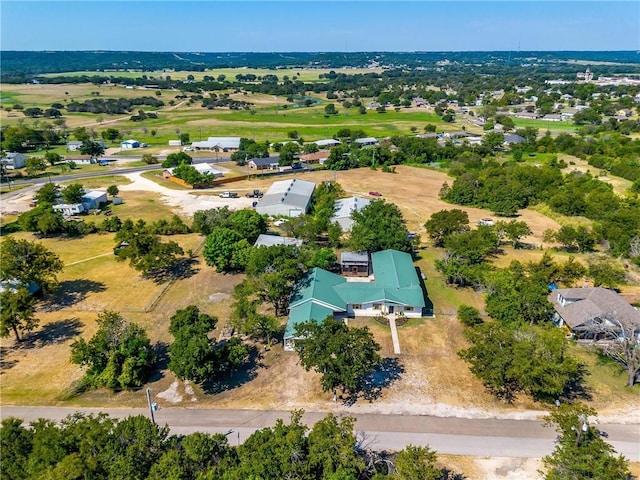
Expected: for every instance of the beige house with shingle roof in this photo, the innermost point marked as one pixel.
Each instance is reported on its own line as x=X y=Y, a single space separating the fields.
x=585 y=310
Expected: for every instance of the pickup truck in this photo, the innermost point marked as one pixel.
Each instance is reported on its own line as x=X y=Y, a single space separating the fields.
x=229 y=195
x=255 y=194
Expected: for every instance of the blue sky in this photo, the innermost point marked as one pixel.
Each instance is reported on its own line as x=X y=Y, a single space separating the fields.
x=266 y=26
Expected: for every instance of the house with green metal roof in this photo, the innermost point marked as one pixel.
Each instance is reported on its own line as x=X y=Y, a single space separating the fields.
x=393 y=289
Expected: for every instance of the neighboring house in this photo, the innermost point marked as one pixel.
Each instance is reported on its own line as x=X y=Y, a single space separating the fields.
x=13 y=160
x=74 y=146
x=13 y=286
x=344 y=207
x=354 y=264
x=367 y=141
x=203 y=168
x=271 y=240
x=218 y=144
x=128 y=144
x=316 y=157
x=512 y=138
x=526 y=114
x=263 y=164
x=80 y=159
x=69 y=209
x=394 y=289
x=330 y=142
x=584 y=310
x=93 y=199
x=552 y=117
x=289 y=198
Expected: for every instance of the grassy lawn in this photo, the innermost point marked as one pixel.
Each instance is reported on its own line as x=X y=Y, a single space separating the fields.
x=101 y=182
x=544 y=125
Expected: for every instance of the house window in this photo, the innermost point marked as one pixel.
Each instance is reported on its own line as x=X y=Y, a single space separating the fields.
x=357 y=306
x=408 y=309
x=376 y=306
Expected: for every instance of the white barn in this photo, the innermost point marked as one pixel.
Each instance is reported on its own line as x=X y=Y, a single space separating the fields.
x=289 y=198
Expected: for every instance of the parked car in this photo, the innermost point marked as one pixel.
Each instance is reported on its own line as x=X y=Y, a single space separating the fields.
x=229 y=195
x=375 y=194
x=280 y=221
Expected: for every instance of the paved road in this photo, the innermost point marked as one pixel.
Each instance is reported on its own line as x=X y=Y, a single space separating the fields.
x=460 y=436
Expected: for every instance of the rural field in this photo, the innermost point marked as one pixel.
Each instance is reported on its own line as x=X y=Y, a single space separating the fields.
x=432 y=378
x=269 y=117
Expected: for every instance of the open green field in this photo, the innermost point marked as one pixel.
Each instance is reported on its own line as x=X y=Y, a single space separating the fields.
x=544 y=125
x=303 y=74
x=270 y=118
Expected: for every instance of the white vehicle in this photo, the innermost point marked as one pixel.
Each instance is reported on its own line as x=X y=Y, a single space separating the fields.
x=280 y=221
x=187 y=149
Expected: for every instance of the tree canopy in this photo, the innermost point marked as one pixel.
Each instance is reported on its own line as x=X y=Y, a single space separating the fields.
x=29 y=263
x=118 y=356
x=580 y=452
x=379 y=226
x=342 y=355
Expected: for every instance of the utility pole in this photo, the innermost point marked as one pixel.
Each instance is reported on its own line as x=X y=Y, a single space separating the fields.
x=152 y=406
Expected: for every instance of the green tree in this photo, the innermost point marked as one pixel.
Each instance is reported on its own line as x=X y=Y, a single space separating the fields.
x=606 y=274
x=445 y=223
x=94 y=149
x=206 y=221
x=274 y=271
x=111 y=134
x=226 y=250
x=145 y=252
x=118 y=356
x=52 y=158
x=332 y=449
x=135 y=446
x=248 y=223
x=515 y=298
x=73 y=193
x=342 y=355
x=48 y=193
x=34 y=165
x=469 y=316
x=416 y=463
x=379 y=226
x=493 y=140
x=276 y=452
x=149 y=159
x=513 y=230
x=42 y=219
x=510 y=359
x=289 y=153
x=28 y=263
x=330 y=109
x=16 y=443
x=17 y=310
x=175 y=159
x=191 y=353
x=580 y=453
x=113 y=190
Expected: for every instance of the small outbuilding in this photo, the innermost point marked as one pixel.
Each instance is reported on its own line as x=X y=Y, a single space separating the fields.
x=13 y=160
x=128 y=144
x=265 y=240
x=354 y=264
x=93 y=199
x=343 y=209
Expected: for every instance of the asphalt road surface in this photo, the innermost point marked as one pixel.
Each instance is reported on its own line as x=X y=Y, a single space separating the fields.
x=451 y=435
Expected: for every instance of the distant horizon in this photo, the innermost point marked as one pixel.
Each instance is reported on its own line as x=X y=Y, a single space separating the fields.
x=320 y=26
x=98 y=50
